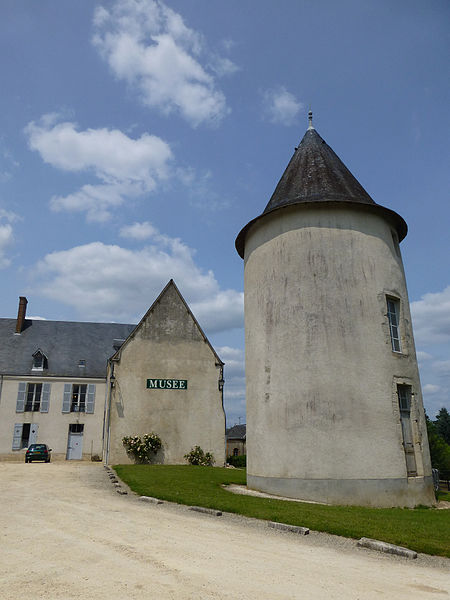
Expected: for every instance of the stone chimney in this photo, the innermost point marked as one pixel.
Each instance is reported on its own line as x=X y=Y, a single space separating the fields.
x=21 y=314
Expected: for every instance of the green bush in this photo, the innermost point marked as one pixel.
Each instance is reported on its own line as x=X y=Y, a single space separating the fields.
x=237 y=461
x=142 y=450
x=196 y=456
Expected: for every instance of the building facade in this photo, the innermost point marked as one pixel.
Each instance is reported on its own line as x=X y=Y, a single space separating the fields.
x=167 y=378
x=236 y=440
x=56 y=388
x=334 y=405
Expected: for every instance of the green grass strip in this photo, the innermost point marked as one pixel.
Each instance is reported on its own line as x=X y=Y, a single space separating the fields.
x=421 y=529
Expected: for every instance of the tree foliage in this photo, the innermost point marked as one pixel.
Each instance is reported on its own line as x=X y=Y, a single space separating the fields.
x=439 y=449
x=443 y=424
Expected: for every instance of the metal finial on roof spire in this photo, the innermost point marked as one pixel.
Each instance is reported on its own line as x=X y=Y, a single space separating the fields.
x=310 y=120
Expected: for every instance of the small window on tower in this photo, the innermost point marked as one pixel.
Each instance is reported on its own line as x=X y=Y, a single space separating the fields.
x=393 y=312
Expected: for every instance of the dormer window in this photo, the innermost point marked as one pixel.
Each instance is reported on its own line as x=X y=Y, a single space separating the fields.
x=117 y=343
x=39 y=361
x=82 y=363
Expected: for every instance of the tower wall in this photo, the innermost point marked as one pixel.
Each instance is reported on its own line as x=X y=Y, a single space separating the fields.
x=323 y=417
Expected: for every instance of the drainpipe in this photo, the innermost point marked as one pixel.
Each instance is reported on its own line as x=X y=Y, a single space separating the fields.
x=107 y=416
x=221 y=384
x=1 y=386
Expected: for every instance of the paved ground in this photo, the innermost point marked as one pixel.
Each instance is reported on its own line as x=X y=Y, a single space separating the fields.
x=65 y=533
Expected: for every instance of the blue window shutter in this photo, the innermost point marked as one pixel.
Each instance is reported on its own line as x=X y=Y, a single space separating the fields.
x=17 y=436
x=45 y=399
x=67 y=397
x=33 y=433
x=20 y=406
x=90 y=403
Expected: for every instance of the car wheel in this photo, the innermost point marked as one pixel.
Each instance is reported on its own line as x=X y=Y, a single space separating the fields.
x=47 y=460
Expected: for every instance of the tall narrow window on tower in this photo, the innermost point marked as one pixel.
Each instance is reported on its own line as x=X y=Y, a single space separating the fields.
x=393 y=311
x=404 y=404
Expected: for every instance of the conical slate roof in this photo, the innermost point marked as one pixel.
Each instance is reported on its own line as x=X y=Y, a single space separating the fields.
x=315 y=174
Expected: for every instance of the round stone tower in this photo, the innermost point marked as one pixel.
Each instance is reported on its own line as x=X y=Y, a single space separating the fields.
x=334 y=405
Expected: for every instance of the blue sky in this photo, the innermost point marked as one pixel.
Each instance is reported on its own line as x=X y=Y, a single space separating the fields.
x=138 y=137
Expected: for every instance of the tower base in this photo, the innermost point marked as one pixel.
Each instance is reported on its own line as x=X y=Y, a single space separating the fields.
x=383 y=493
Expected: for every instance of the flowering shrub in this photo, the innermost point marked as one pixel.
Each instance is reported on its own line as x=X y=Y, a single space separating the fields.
x=197 y=457
x=142 y=449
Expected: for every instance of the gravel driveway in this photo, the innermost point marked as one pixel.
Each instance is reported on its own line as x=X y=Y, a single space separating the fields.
x=66 y=533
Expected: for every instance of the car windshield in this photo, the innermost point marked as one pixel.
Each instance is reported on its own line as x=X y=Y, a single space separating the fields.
x=37 y=447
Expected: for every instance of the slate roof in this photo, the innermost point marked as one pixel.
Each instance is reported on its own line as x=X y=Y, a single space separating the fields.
x=237 y=432
x=315 y=174
x=64 y=343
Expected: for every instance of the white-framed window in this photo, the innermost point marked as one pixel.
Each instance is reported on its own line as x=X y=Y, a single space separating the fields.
x=78 y=402
x=33 y=397
x=393 y=314
x=79 y=397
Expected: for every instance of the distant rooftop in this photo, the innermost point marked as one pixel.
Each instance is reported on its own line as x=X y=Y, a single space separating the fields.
x=237 y=432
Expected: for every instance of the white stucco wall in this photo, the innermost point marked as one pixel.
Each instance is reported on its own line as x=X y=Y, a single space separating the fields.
x=168 y=345
x=322 y=411
x=53 y=427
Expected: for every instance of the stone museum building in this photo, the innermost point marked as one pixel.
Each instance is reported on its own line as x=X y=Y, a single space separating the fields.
x=334 y=404
x=81 y=387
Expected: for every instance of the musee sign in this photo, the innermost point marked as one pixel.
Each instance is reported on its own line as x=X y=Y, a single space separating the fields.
x=167 y=384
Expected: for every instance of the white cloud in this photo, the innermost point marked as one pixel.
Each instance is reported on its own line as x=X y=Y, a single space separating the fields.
x=280 y=106
x=442 y=367
x=6 y=235
x=201 y=190
x=111 y=283
x=431 y=317
x=223 y=66
x=6 y=238
x=234 y=360
x=138 y=231
x=423 y=356
x=148 y=45
x=125 y=167
x=431 y=388
x=7 y=163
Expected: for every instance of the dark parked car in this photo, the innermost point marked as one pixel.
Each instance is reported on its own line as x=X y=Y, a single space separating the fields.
x=38 y=452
